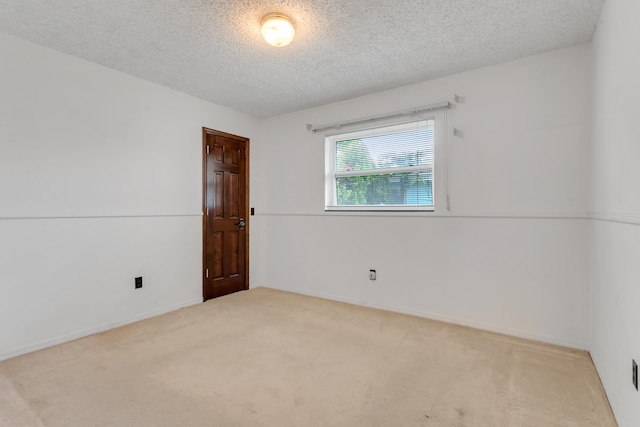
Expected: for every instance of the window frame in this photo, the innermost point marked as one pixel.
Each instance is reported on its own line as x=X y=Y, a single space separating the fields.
x=437 y=166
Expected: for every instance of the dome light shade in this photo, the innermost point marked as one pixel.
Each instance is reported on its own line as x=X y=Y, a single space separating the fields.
x=277 y=29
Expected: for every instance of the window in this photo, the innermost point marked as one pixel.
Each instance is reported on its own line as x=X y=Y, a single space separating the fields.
x=387 y=168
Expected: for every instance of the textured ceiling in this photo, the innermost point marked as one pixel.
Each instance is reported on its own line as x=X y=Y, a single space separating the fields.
x=343 y=48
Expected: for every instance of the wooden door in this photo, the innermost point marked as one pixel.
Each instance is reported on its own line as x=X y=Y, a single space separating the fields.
x=226 y=228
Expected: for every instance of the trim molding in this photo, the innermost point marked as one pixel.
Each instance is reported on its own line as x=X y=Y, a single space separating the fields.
x=422 y=214
x=90 y=331
x=631 y=219
x=444 y=318
x=22 y=218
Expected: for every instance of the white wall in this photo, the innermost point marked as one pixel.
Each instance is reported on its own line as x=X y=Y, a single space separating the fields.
x=512 y=254
x=100 y=181
x=616 y=206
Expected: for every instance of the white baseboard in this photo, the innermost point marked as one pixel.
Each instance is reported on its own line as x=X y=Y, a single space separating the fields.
x=445 y=318
x=86 y=332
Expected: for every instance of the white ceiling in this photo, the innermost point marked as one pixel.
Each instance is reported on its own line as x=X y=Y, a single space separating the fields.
x=343 y=48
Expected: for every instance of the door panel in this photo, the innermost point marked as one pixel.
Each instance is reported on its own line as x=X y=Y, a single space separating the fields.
x=234 y=206
x=218 y=195
x=217 y=153
x=217 y=261
x=225 y=241
x=234 y=252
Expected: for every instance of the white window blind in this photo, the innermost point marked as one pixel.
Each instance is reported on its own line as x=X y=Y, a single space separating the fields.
x=387 y=168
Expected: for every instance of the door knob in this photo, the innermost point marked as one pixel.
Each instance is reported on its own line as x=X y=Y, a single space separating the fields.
x=242 y=224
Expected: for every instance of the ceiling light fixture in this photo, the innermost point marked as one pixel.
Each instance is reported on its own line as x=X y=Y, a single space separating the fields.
x=277 y=29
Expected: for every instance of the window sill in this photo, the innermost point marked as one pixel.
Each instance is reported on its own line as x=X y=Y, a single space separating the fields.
x=386 y=209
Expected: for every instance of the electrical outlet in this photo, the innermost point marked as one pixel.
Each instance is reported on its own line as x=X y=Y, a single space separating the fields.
x=138 y=282
x=372 y=275
x=634 y=375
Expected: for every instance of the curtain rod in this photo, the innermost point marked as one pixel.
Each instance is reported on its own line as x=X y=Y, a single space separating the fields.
x=373 y=119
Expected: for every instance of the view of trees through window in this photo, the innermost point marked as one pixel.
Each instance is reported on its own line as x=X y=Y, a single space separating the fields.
x=410 y=152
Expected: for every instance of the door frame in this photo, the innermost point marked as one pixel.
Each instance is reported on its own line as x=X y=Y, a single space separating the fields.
x=205 y=132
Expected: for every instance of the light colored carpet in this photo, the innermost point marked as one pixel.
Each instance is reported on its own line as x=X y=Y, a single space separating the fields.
x=270 y=358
